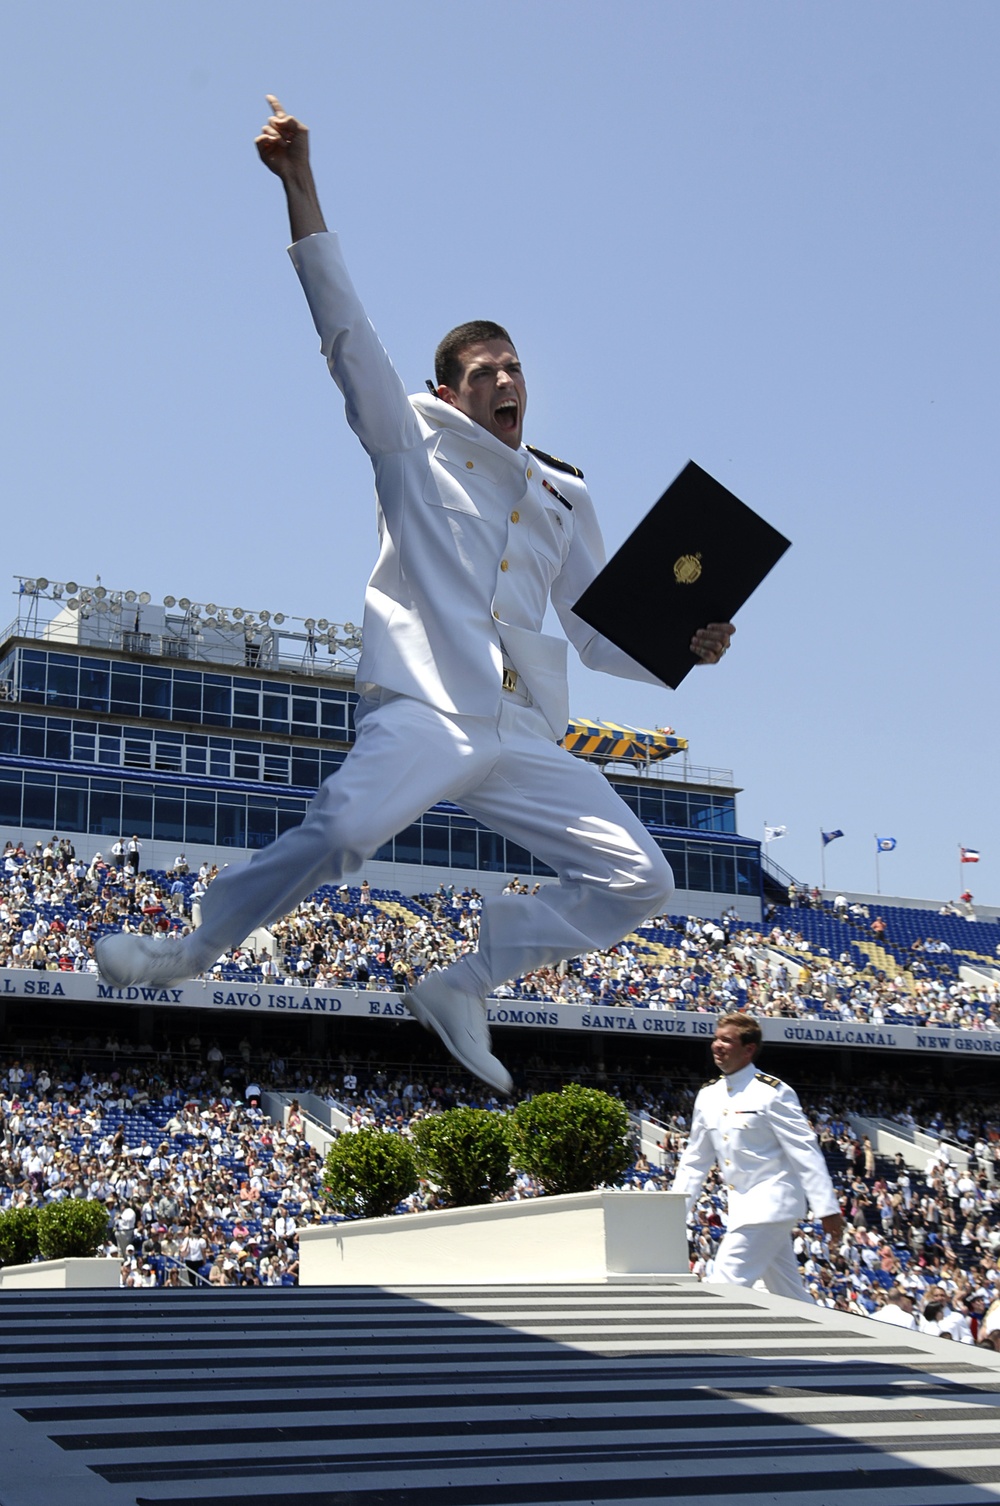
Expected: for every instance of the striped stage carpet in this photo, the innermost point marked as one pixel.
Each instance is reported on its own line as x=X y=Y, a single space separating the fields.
x=636 y=1393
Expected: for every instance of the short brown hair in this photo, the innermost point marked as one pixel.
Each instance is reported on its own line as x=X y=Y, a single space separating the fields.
x=748 y=1027
x=448 y=356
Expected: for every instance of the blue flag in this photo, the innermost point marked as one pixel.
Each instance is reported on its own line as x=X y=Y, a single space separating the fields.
x=830 y=836
x=885 y=844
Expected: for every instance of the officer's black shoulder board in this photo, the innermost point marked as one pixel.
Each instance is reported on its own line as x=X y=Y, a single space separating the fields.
x=559 y=465
x=711 y=1082
x=772 y=1082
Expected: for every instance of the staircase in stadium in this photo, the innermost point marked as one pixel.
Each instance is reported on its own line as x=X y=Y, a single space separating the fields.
x=637 y=1392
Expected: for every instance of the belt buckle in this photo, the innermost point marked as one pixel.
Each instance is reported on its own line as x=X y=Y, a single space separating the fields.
x=509 y=678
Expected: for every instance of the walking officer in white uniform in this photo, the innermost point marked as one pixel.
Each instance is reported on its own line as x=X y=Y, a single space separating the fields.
x=770 y=1160
x=463 y=696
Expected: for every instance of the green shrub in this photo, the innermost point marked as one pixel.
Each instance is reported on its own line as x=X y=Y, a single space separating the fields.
x=466 y=1153
x=368 y=1173
x=571 y=1141
x=77 y=1226
x=18 y=1236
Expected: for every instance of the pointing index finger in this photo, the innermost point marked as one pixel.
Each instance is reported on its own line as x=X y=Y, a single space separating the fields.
x=276 y=105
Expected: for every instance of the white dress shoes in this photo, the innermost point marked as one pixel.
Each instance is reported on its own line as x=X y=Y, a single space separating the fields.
x=459 y=1018
x=124 y=958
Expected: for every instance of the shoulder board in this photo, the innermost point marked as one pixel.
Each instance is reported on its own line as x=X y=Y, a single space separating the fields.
x=711 y=1082
x=559 y=465
x=772 y=1082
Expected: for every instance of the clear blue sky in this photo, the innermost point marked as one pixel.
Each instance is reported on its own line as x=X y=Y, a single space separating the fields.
x=763 y=236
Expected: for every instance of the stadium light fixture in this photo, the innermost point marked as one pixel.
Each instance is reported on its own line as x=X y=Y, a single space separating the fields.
x=144 y=598
x=170 y=601
x=184 y=603
x=100 y=593
x=279 y=618
x=130 y=597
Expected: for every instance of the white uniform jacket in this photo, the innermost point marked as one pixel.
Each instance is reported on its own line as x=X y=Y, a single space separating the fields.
x=771 y=1163
x=472 y=543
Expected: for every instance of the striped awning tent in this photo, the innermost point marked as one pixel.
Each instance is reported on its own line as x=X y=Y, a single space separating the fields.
x=615 y=743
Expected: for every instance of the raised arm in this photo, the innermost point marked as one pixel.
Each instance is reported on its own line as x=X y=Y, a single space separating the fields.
x=374 y=398
x=283 y=146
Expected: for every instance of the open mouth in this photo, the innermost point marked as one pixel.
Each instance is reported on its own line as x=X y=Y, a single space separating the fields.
x=505 y=415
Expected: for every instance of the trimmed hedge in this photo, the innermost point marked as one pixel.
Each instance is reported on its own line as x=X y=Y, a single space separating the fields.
x=466 y=1153
x=368 y=1172
x=18 y=1236
x=76 y=1227
x=572 y=1141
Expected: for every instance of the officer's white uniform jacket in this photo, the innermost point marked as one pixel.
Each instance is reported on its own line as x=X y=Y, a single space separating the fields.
x=472 y=543
x=770 y=1160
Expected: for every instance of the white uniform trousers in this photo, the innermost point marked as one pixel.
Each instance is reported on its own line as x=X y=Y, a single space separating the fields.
x=506 y=772
x=761 y=1252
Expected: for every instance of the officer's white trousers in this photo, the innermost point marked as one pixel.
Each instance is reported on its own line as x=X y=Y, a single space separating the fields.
x=761 y=1252
x=503 y=770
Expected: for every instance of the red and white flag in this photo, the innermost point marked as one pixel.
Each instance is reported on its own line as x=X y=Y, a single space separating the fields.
x=969 y=855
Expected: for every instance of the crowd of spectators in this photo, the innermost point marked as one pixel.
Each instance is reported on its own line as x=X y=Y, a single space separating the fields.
x=201 y=1187
x=54 y=905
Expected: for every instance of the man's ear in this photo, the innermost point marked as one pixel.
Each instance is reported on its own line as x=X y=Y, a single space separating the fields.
x=448 y=395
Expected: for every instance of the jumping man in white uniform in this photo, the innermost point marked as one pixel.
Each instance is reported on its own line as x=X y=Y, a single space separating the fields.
x=771 y=1164
x=462 y=695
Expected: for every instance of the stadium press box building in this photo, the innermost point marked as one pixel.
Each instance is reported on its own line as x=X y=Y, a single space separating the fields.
x=206 y=730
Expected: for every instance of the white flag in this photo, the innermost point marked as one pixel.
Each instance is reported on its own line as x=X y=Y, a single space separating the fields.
x=772 y=833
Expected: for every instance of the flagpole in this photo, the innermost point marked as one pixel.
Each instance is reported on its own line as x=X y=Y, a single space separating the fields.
x=878 y=882
x=822 y=859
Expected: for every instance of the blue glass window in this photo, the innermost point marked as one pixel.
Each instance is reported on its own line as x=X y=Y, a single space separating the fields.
x=464 y=847
x=168 y=818
x=261 y=821
x=10 y=797
x=231 y=820
x=63 y=684
x=125 y=689
x=95 y=684
x=187 y=696
x=200 y=818
x=33 y=740
x=156 y=688
x=71 y=803
x=408 y=845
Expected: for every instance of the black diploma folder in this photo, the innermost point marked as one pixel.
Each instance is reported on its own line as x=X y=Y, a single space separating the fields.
x=695 y=558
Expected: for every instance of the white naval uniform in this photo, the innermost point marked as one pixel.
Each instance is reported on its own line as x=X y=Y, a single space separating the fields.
x=772 y=1166
x=472 y=548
